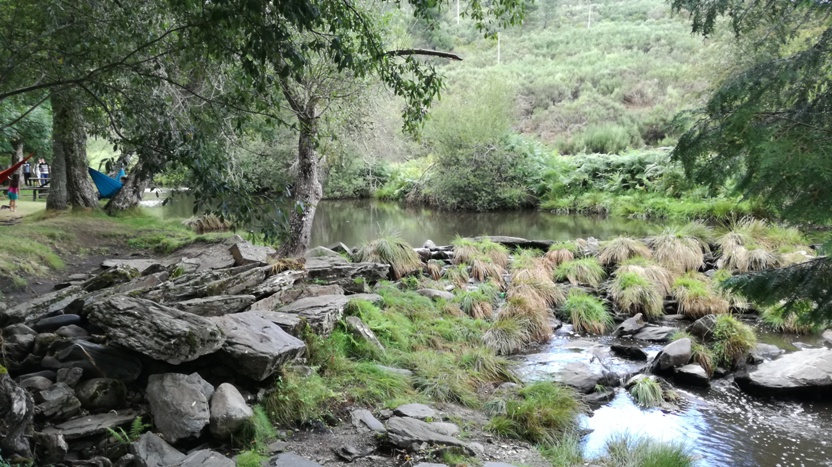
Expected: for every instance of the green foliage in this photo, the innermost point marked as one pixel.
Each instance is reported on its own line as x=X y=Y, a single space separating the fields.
x=631 y=451
x=732 y=341
x=298 y=400
x=540 y=413
x=137 y=427
x=392 y=250
x=257 y=432
x=586 y=313
x=697 y=298
x=635 y=294
x=586 y=271
x=791 y=319
x=565 y=451
x=476 y=304
x=250 y=458
x=647 y=392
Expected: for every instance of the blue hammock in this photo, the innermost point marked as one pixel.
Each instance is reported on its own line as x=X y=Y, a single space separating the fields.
x=107 y=187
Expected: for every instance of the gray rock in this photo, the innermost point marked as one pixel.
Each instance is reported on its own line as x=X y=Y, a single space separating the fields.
x=97 y=360
x=81 y=427
x=44 y=343
x=633 y=352
x=655 y=333
x=803 y=373
x=418 y=411
x=320 y=251
x=246 y=253
x=284 y=297
x=361 y=331
x=277 y=285
x=101 y=393
x=71 y=376
x=277 y=446
x=216 y=306
x=412 y=434
x=288 y=459
x=703 y=327
x=160 y=332
x=16 y=414
x=445 y=428
x=152 y=451
x=72 y=331
x=35 y=384
x=292 y=324
x=346 y=274
x=763 y=352
x=229 y=411
x=362 y=417
x=580 y=376
x=340 y=248
x=673 y=355
x=630 y=326
x=423 y=253
x=516 y=242
x=204 y=458
x=127 y=460
x=255 y=346
x=436 y=294
x=178 y=405
x=827 y=336
x=17 y=343
x=321 y=313
x=55 y=322
x=240 y=280
x=51 y=448
x=217 y=256
x=141 y=265
x=115 y=275
x=57 y=402
x=429 y=245
x=98 y=461
x=692 y=375
x=35 y=309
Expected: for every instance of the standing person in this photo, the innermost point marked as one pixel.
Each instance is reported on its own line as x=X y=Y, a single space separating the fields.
x=14 y=191
x=36 y=173
x=44 y=172
x=27 y=173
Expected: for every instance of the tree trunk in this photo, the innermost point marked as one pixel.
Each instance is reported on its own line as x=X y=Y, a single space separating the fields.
x=132 y=191
x=308 y=190
x=69 y=143
x=18 y=156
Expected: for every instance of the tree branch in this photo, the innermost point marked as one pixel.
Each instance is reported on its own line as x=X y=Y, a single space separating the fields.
x=433 y=53
x=24 y=114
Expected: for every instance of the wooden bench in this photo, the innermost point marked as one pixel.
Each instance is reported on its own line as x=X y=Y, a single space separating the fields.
x=41 y=191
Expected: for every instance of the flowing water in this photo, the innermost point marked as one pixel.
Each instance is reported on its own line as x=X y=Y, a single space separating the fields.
x=721 y=425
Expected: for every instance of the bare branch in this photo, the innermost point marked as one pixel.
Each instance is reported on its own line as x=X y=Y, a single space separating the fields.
x=433 y=53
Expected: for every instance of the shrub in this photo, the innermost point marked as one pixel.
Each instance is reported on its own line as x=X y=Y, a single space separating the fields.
x=732 y=340
x=696 y=298
x=258 y=431
x=581 y=271
x=541 y=413
x=790 y=320
x=647 y=392
x=635 y=294
x=620 y=249
x=586 y=313
x=391 y=250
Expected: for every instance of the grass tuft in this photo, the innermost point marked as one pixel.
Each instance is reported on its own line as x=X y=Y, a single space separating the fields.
x=732 y=341
x=697 y=298
x=779 y=318
x=508 y=335
x=586 y=313
x=630 y=451
x=647 y=392
x=621 y=249
x=586 y=271
x=682 y=249
x=391 y=250
x=636 y=294
x=540 y=413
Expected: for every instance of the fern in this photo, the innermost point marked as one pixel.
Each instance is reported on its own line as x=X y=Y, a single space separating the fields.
x=137 y=428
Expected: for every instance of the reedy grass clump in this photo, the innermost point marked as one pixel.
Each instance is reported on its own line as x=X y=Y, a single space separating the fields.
x=732 y=340
x=560 y=252
x=535 y=317
x=586 y=271
x=508 y=335
x=482 y=269
x=750 y=245
x=391 y=250
x=658 y=275
x=457 y=275
x=477 y=304
x=586 y=313
x=635 y=294
x=467 y=250
x=647 y=392
x=780 y=318
x=682 y=249
x=541 y=413
x=434 y=269
x=257 y=432
x=697 y=298
x=299 y=399
x=538 y=292
x=622 y=248
x=629 y=451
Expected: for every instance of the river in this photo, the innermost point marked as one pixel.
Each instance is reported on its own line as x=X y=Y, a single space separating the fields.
x=721 y=425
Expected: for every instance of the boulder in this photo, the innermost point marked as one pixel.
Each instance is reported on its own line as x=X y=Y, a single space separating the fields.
x=278 y=284
x=321 y=313
x=246 y=253
x=160 y=332
x=516 y=242
x=229 y=411
x=35 y=309
x=434 y=294
x=418 y=411
x=803 y=373
x=35 y=384
x=44 y=343
x=217 y=256
x=497 y=464
x=51 y=448
x=292 y=324
x=17 y=343
x=216 y=306
x=655 y=333
x=703 y=327
x=630 y=326
x=16 y=414
x=827 y=336
x=82 y=427
x=429 y=244
x=110 y=277
x=178 y=404
x=72 y=332
x=412 y=434
x=763 y=352
x=55 y=322
x=57 y=402
x=361 y=331
x=295 y=293
x=71 y=376
x=255 y=346
x=692 y=375
x=288 y=459
x=445 y=428
x=350 y=276
x=204 y=458
x=673 y=355
x=633 y=352
x=240 y=280
x=363 y=417
x=580 y=376
x=152 y=451
x=101 y=393
x=96 y=360
x=142 y=266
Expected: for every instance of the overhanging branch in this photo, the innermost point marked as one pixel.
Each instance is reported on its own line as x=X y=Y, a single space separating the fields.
x=433 y=53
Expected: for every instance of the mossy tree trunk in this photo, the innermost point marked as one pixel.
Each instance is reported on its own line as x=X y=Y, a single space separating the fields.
x=69 y=184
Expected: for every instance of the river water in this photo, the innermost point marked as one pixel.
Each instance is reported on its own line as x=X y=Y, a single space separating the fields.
x=721 y=425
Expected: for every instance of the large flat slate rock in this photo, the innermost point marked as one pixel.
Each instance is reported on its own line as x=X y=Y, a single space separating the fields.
x=81 y=427
x=322 y=312
x=516 y=242
x=140 y=265
x=409 y=433
x=35 y=309
x=288 y=459
x=803 y=373
x=337 y=270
